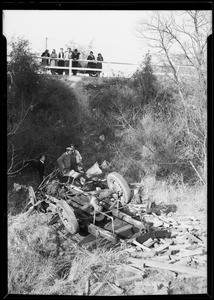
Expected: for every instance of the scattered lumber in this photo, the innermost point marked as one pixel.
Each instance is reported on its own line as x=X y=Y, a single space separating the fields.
x=167 y=266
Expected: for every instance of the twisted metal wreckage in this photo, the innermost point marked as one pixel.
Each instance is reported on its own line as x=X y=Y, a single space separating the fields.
x=100 y=210
x=98 y=206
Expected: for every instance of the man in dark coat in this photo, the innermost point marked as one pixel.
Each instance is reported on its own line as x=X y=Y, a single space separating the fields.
x=41 y=168
x=75 y=57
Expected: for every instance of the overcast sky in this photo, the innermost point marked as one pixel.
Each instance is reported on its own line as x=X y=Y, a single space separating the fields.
x=113 y=32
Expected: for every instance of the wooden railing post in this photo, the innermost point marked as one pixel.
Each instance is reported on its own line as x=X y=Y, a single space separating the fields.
x=108 y=69
x=70 y=66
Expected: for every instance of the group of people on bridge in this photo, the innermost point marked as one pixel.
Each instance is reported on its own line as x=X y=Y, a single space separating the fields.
x=64 y=58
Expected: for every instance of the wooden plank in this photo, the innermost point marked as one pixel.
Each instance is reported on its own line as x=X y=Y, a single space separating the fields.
x=165 y=220
x=118 y=290
x=127 y=268
x=167 y=266
x=129 y=250
x=183 y=218
x=174 y=233
x=97 y=288
x=177 y=247
x=86 y=291
x=97 y=231
x=183 y=226
x=162 y=258
x=173 y=221
x=200 y=259
x=162 y=247
x=145 y=254
x=150 y=242
x=182 y=261
x=128 y=219
x=180 y=239
x=141 y=246
x=189 y=253
x=126 y=280
x=194 y=239
x=124 y=228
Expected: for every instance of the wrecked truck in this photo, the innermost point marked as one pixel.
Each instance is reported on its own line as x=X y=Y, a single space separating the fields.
x=97 y=209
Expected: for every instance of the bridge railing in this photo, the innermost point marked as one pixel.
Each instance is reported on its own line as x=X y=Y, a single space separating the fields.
x=84 y=67
x=159 y=70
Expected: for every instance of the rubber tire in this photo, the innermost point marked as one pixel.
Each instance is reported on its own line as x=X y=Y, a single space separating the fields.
x=71 y=224
x=117 y=183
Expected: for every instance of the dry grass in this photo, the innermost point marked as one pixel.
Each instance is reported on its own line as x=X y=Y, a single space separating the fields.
x=39 y=265
x=190 y=200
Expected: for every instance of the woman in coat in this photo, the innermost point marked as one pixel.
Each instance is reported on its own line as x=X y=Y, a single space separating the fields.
x=61 y=62
x=45 y=62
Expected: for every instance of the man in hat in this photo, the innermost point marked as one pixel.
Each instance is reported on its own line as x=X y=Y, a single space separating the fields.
x=70 y=162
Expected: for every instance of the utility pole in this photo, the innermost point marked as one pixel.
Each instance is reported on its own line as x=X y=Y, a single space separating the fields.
x=46 y=43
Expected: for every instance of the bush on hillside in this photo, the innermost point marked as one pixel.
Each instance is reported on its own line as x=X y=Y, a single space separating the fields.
x=145 y=82
x=23 y=67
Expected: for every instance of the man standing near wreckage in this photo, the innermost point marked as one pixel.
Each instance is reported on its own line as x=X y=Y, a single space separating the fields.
x=70 y=162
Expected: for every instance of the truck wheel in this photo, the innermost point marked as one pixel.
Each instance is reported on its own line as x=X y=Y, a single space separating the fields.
x=117 y=183
x=67 y=216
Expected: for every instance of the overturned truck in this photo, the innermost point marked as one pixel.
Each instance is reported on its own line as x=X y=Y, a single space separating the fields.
x=96 y=212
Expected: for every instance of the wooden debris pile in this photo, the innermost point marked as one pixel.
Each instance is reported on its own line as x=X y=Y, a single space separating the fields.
x=183 y=250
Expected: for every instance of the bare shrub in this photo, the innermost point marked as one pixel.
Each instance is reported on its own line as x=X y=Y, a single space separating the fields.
x=187 y=32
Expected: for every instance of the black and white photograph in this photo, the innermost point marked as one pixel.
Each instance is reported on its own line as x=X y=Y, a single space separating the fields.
x=107 y=151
